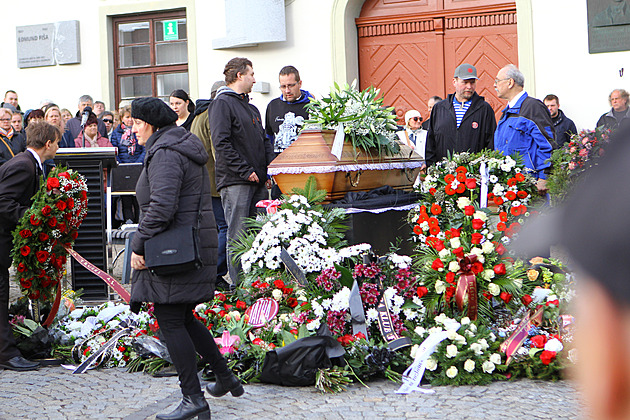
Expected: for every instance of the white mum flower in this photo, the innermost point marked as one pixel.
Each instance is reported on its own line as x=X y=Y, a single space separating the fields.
x=451 y=351
x=469 y=365
x=451 y=372
x=431 y=364
x=495 y=358
x=488 y=366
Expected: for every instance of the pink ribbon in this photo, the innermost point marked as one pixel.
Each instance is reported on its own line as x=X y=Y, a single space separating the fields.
x=270 y=205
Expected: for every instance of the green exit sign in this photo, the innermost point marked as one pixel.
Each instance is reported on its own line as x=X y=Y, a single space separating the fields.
x=170 y=30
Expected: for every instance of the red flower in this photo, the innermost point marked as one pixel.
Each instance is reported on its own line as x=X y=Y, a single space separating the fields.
x=42 y=236
x=461 y=188
x=70 y=203
x=436 y=209
x=241 y=305
x=477 y=267
x=61 y=205
x=258 y=341
x=220 y=296
x=26 y=284
x=417 y=230
x=490 y=196
x=25 y=250
x=42 y=256
x=46 y=210
x=74 y=234
x=450 y=277
x=500 y=249
x=547 y=356
x=52 y=222
x=503 y=216
x=515 y=211
x=511 y=182
x=64 y=175
x=461 y=177
x=279 y=284
x=506 y=297
x=501 y=226
x=422 y=291
x=34 y=220
x=510 y=195
x=432 y=191
x=292 y=302
x=434 y=230
x=469 y=210
x=459 y=252
x=21 y=267
x=433 y=222
x=527 y=299
x=522 y=194
x=498 y=201
x=476 y=238
x=499 y=269
x=471 y=184
x=515 y=227
x=553 y=302
x=519 y=177
x=437 y=264
x=449 y=178
x=461 y=169
x=477 y=224
x=538 y=341
x=52 y=183
x=438 y=245
x=454 y=233
x=26 y=233
x=222 y=313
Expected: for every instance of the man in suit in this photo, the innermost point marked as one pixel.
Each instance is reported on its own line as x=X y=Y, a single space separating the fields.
x=19 y=181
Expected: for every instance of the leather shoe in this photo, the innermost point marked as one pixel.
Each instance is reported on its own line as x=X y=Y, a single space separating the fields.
x=19 y=364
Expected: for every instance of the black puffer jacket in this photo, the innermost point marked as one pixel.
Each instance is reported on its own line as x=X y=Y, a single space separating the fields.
x=168 y=192
x=475 y=133
x=239 y=140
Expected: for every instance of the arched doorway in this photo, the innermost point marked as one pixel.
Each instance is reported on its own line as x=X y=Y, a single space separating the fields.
x=410 y=48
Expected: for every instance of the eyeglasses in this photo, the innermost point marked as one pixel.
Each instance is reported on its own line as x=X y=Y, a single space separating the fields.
x=108 y=121
x=416 y=118
x=289 y=86
x=496 y=81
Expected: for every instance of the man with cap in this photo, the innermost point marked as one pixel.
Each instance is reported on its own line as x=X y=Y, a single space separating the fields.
x=413 y=135
x=463 y=122
x=525 y=128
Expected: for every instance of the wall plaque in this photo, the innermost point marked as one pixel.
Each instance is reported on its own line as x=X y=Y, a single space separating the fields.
x=35 y=45
x=608 y=25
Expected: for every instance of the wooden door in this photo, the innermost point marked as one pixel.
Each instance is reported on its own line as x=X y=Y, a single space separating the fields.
x=410 y=48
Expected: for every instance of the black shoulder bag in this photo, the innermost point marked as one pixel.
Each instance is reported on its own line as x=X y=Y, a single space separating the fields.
x=176 y=250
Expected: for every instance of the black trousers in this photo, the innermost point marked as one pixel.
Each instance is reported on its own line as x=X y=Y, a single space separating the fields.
x=8 y=349
x=185 y=335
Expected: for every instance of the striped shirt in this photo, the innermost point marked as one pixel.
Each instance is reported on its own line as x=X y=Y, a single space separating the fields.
x=460 y=109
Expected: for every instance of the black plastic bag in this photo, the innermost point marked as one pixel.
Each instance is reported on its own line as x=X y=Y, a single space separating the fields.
x=296 y=364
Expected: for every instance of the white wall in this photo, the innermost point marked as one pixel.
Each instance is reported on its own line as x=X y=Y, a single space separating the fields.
x=564 y=66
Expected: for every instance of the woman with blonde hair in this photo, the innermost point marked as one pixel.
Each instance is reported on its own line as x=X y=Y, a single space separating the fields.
x=52 y=115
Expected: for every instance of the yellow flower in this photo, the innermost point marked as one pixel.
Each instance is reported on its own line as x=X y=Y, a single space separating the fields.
x=532 y=275
x=536 y=260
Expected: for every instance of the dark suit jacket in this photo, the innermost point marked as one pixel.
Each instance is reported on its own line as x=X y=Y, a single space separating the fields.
x=19 y=180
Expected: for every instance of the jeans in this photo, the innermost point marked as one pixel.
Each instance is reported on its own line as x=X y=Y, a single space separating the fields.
x=239 y=202
x=222 y=227
x=185 y=334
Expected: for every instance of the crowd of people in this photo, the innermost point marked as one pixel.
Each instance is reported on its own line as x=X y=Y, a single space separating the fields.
x=206 y=164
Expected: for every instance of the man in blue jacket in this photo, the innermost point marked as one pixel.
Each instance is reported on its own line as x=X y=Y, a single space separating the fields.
x=525 y=128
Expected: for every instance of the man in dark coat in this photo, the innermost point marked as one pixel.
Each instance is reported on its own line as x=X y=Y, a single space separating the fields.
x=242 y=151
x=619 y=114
x=563 y=125
x=463 y=122
x=19 y=181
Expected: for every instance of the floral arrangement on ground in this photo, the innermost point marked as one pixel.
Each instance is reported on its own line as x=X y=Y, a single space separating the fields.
x=47 y=228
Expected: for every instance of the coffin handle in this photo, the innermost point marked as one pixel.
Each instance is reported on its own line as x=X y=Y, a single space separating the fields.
x=357 y=178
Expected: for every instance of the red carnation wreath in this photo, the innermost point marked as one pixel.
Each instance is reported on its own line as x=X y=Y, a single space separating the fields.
x=46 y=229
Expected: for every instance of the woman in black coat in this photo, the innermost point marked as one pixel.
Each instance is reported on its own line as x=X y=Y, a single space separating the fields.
x=169 y=190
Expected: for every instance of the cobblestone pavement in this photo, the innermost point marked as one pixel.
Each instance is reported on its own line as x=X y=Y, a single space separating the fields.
x=55 y=393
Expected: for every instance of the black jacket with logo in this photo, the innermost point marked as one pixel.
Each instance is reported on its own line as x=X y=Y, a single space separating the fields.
x=475 y=133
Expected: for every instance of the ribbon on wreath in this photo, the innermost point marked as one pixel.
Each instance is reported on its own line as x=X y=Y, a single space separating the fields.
x=111 y=282
x=517 y=338
x=270 y=205
x=386 y=324
x=483 y=193
x=467 y=285
x=412 y=376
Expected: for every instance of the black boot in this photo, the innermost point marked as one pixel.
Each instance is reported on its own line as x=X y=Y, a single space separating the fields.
x=191 y=406
x=225 y=383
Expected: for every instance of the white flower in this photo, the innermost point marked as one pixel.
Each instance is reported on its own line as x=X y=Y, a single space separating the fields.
x=488 y=366
x=419 y=330
x=495 y=358
x=435 y=330
x=554 y=345
x=480 y=215
x=440 y=287
x=476 y=347
x=451 y=372
x=444 y=253
x=451 y=350
x=410 y=314
x=371 y=315
x=518 y=283
x=469 y=365
x=465 y=321
x=451 y=335
x=488 y=274
x=484 y=344
x=453 y=266
x=494 y=289
x=473 y=328
x=487 y=247
x=313 y=325
x=493 y=179
x=277 y=294
x=440 y=318
x=413 y=351
x=431 y=364
x=456 y=242
x=463 y=202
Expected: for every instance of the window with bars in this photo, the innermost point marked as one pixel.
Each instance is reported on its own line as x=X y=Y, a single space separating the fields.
x=151 y=56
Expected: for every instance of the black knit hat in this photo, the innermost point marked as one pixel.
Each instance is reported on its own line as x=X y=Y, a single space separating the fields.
x=153 y=111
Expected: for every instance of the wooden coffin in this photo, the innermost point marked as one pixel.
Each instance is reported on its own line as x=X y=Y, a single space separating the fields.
x=355 y=171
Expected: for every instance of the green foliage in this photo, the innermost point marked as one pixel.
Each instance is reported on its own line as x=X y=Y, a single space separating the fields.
x=310 y=191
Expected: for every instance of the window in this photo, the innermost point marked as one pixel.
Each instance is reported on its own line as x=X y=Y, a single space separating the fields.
x=151 y=56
